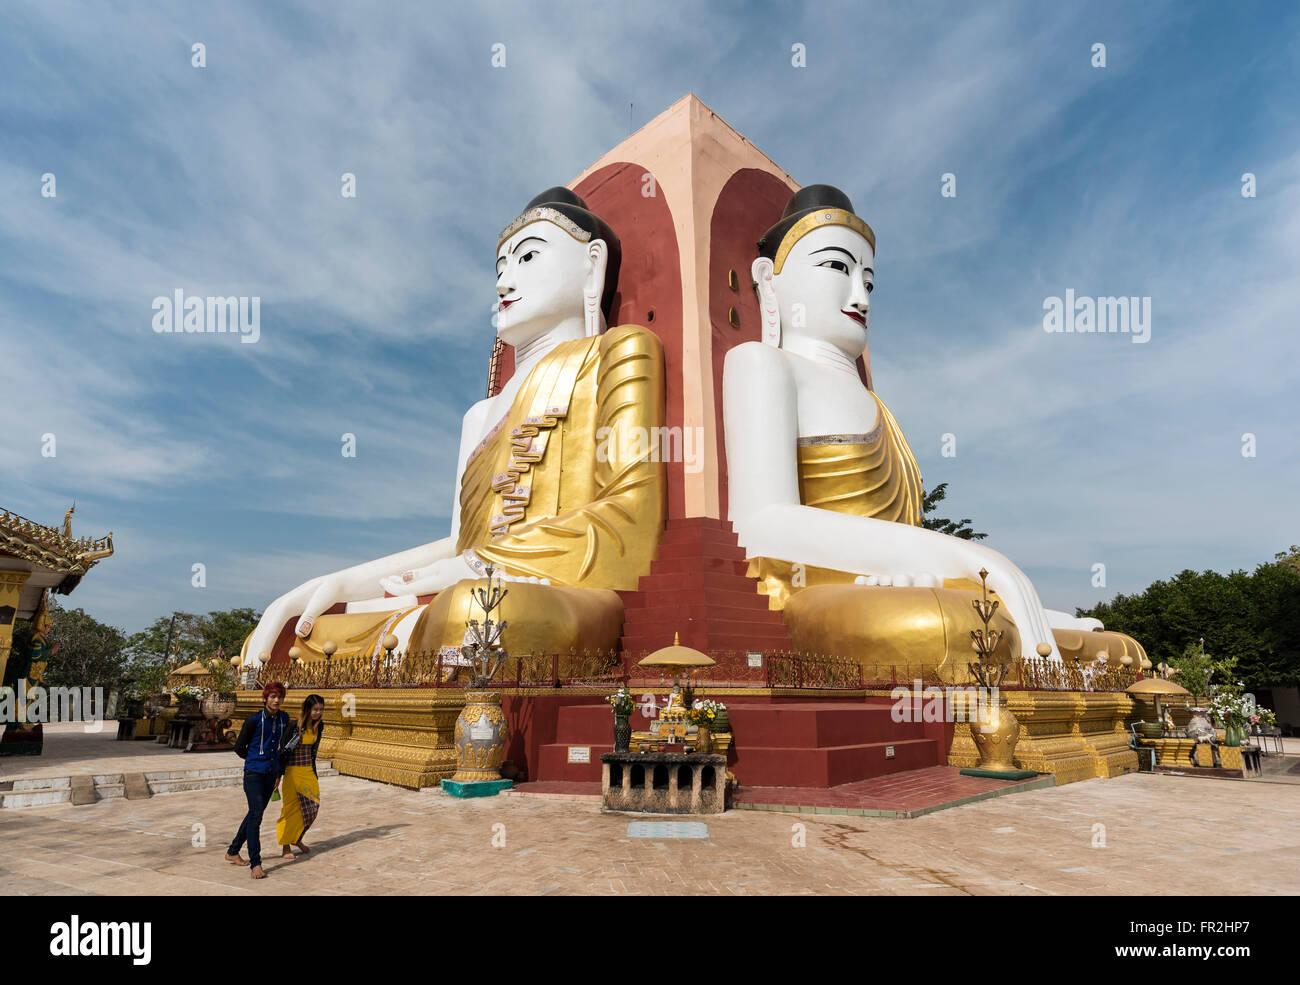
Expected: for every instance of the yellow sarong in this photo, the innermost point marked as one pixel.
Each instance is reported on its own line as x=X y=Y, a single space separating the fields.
x=301 y=793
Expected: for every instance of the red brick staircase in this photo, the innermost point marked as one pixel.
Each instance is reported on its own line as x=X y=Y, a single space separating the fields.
x=697 y=588
x=798 y=743
x=825 y=743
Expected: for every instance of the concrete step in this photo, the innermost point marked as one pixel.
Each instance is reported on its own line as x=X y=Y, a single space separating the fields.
x=182 y=785
x=42 y=791
x=831 y=766
x=35 y=797
x=813 y=724
x=585 y=724
x=40 y=783
x=179 y=781
x=553 y=761
x=702 y=565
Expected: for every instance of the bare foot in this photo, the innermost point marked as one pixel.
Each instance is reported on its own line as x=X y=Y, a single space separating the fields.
x=235 y=860
x=258 y=873
x=287 y=853
x=303 y=848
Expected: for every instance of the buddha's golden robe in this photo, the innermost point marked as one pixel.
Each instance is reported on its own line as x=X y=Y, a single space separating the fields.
x=868 y=475
x=926 y=629
x=568 y=486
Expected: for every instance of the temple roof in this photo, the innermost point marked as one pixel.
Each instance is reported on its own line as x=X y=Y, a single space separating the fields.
x=51 y=549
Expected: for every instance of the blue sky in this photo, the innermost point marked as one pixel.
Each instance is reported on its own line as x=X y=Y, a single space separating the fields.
x=1072 y=450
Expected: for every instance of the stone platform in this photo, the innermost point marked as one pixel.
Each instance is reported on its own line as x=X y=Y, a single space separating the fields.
x=901 y=795
x=781 y=737
x=1070 y=734
x=81 y=768
x=664 y=782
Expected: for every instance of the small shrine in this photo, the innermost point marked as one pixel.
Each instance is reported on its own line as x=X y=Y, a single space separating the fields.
x=678 y=765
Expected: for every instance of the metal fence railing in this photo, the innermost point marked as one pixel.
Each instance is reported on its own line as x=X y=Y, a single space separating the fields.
x=610 y=669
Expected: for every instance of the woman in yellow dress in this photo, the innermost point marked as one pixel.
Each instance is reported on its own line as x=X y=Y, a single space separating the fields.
x=301 y=786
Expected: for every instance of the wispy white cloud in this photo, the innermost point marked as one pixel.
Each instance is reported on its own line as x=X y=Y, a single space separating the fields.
x=225 y=181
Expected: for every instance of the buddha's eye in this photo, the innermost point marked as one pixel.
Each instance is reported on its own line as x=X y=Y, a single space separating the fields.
x=528 y=256
x=839 y=265
x=868 y=284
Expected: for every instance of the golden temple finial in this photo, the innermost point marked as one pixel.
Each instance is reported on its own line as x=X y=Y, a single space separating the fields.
x=677 y=639
x=67 y=520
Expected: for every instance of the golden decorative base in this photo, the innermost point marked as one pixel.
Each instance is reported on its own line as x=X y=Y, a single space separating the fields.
x=1072 y=735
x=403 y=737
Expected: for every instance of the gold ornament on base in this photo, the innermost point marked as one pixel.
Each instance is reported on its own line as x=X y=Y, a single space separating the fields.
x=996 y=731
x=482 y=733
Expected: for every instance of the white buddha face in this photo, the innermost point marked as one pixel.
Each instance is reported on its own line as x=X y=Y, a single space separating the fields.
x=542 y=273
x=824 y=288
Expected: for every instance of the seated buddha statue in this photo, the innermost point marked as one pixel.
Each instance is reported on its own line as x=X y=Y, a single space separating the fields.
x=825 y=493
x=555 y=485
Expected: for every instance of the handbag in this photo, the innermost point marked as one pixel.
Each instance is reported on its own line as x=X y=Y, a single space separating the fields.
x=287 y=752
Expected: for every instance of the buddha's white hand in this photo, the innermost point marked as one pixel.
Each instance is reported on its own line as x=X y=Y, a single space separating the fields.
x=1019 y=598
x=522 y=578
x=918 y=579
x=401 y=584
x=434 y=578
x=278 y=613
x=429 y=579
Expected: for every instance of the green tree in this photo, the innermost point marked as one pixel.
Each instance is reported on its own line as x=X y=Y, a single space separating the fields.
x=1249 y=618
x=173 y=639
x=227 y=630
x=1197 y=670
x=193 y=637
x=88 y=653
x=957 y=528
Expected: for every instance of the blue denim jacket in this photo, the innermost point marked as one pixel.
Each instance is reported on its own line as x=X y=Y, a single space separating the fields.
x=260 y=740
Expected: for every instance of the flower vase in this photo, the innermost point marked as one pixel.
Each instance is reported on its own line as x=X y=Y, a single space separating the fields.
x=703 y=740
x=1199 y=720
x=480 y=737
x=996 y=732
x=1232 y=736
x=622 y=733
x=722 y=723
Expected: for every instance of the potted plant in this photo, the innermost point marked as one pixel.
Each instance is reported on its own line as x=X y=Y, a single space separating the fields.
x=622 y=704
x=189 y=696
x=220 y=701
x=1232 y=710
x=1151 y=730
x=721 y=720
x=142 y=684
x=702 y=716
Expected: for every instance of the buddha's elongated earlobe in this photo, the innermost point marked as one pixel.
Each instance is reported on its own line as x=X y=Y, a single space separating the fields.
x=593 y=287
x=769 y=311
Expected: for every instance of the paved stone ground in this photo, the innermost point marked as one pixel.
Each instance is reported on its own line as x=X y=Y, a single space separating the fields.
x=1162 y=835
x=71 y=750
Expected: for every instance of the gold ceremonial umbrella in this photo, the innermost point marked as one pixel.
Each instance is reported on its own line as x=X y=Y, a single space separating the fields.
x=677 y=656
x=1157 y=688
